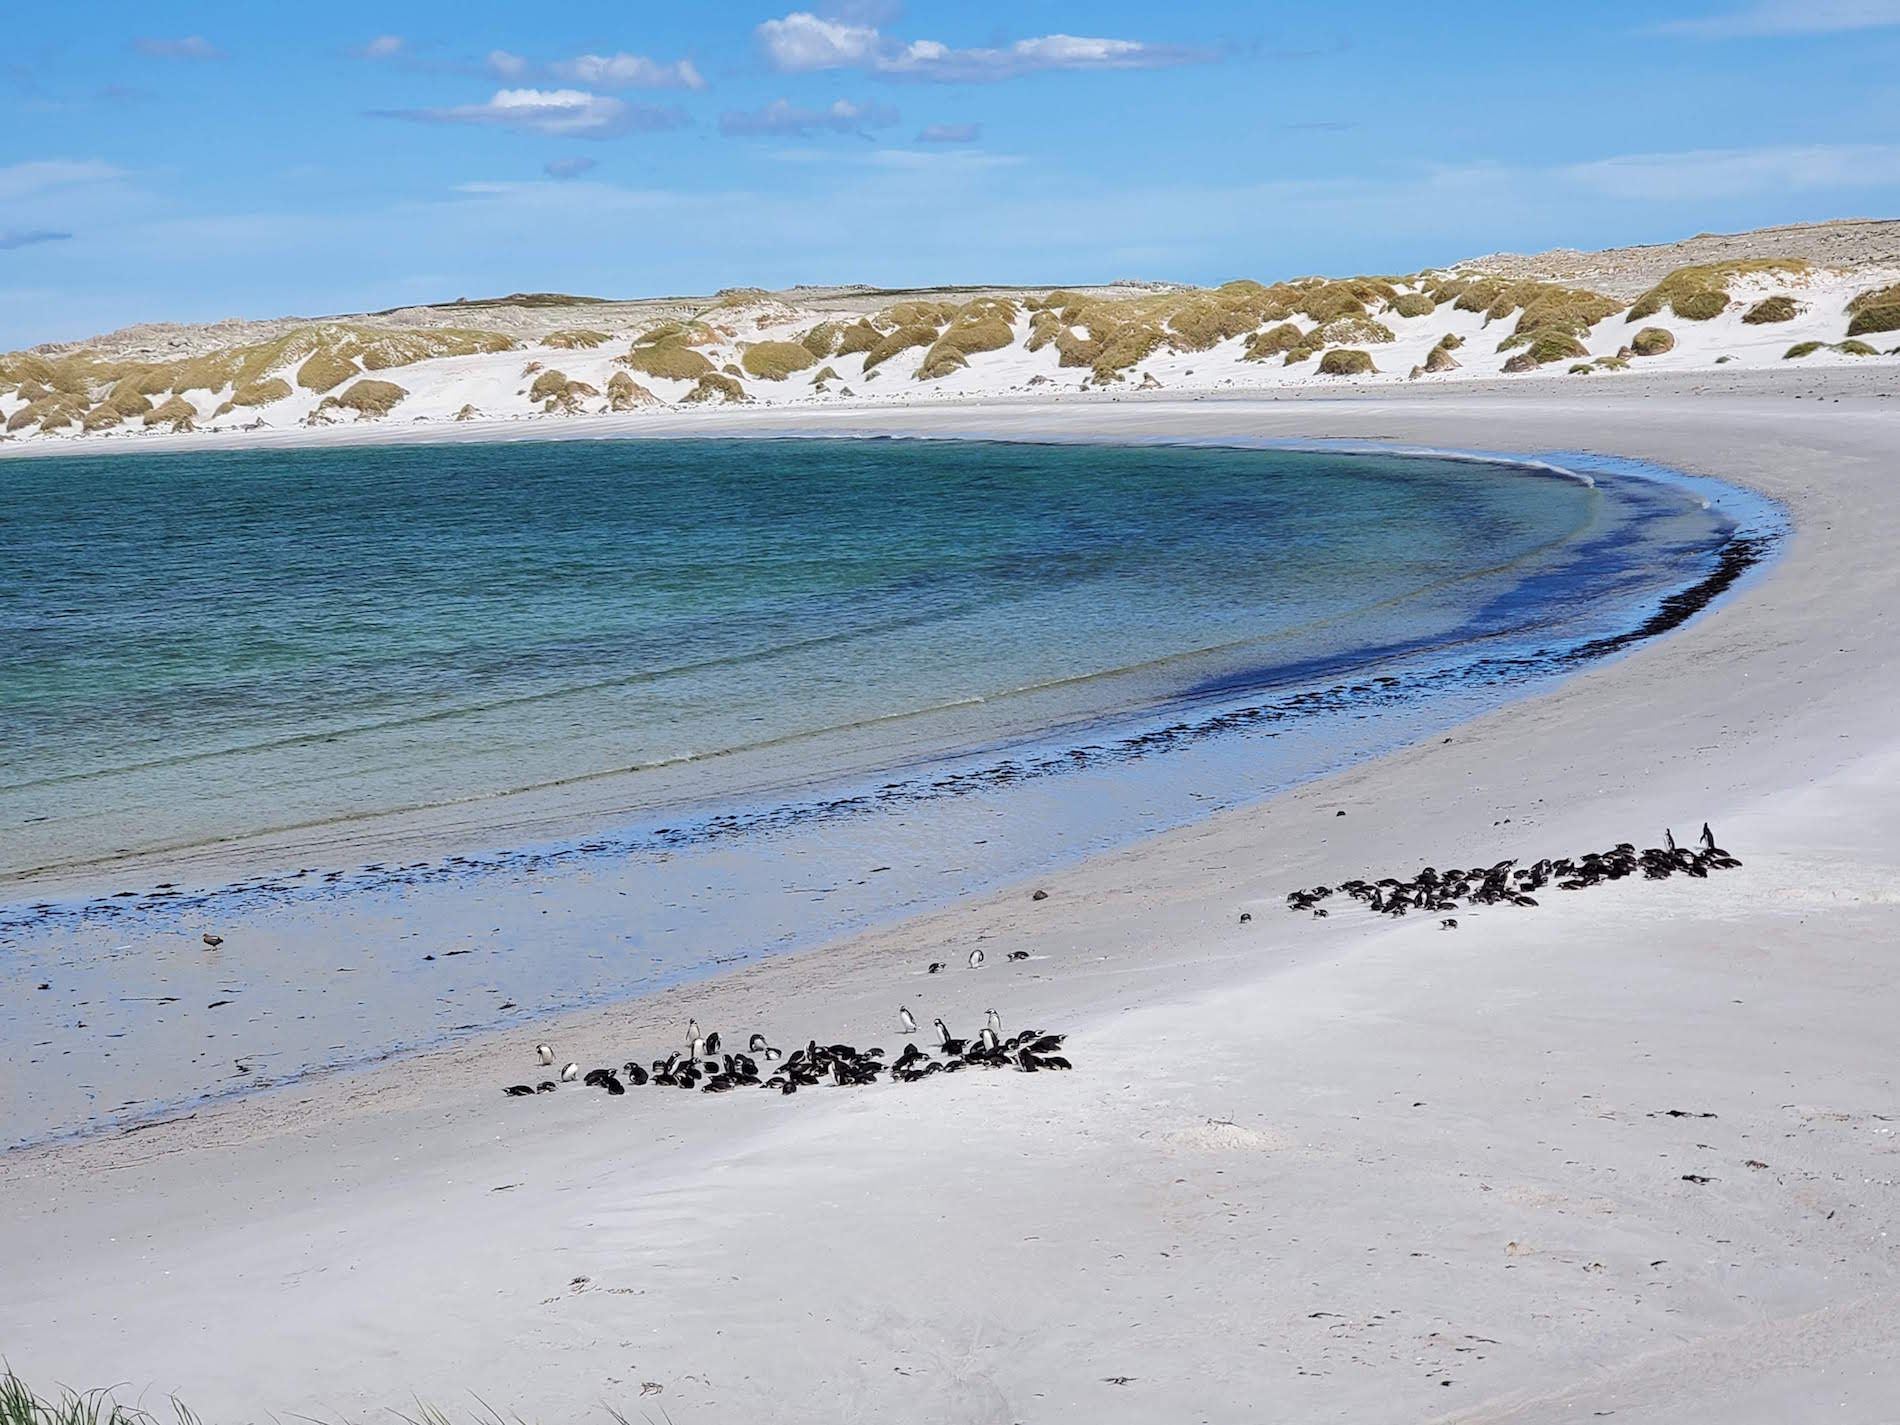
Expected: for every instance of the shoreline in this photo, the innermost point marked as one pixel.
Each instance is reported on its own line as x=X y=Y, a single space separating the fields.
x=1418 y=693
x=1373 y=1143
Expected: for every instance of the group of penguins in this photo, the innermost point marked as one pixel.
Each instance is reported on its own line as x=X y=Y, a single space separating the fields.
x=702 y=1066
x=1506 y=884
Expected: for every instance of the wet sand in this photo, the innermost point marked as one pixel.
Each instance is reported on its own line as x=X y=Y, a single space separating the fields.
x=1345 y=1169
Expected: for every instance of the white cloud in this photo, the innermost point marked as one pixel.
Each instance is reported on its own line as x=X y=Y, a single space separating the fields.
x=1728 y=173
x=950 y=133
x=568 y=167
x=783 y=118
x=1789 y=17
x=803 y=41
x=559 y=113
x=11 y=238
x=382 y=47
x=627 y=71
x=506 y=66
x=21 y=181
x=189 y=47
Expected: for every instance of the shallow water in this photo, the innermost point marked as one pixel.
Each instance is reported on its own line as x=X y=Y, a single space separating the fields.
x=818 y=682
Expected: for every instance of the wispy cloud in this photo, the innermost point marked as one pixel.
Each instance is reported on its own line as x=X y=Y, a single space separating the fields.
x=627 y=71
x=382 y=47
x=802 y=42
x=188 y=47
x=569 y=167
x=20 y=181
x=557 y=113
x=1702 y=174
x=1788 y=17
x=950 y=133
x=11 y=238
x=504 y=65
x=781 y=118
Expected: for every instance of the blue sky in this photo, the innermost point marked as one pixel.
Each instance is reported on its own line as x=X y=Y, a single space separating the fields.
x=196 y=161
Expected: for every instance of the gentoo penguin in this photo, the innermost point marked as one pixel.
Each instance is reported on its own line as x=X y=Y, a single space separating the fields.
x=519 y=1091
x=1019 y=954
x=1669 y=839
x=570 y=1073
x=692 y=1029
x=994 y=1020
x=546 y=1053
x=699 y=1047
x=935 y=966
x=991 y=1039
x=905 y=1018
x=949 y=1045
x=712 y=1042
x=1708 y=838
x=755 y=1045
x=976 y=957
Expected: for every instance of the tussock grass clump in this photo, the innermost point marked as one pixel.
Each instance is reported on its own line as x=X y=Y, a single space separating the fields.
x=127 y=399
x=1876 y=311
x=940 y=361
x=1122 y=347
x=829 y=373
x=1450 y=341
x=977 y=332
x=100 y=417
x=1855 y=348
x=903 y=339
x=1439 y=358
x=626 y=394
x=1520 y=363
x=1801 y=349
x=860 y=336
x=1583 y=368
x=1346 y=361
x=325 y=371
x=671 y=359
x=178 y=413
x=19 y=1405
x=53 y=411
x=926 y=314
x=1044 y=327
x=1702 y=287
x=212 y=371
x=714 y=387
x=734 y=370
x=1360 y=329
x=576 y=339
x=1653 y=341
x=822 y=340
x=1274 y=341
x=1549 y=307
x=369 y=398
x=775 y=360
x=381 y=351
x=548 y=383
x=1770 y=309
x=1477 y=294
x=261 y=393
x=1413 y=304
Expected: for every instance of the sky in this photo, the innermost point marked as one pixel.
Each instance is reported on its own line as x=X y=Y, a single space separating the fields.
x=191 y=162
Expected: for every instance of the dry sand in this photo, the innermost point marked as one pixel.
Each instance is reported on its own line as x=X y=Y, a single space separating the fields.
x=1348 y=1169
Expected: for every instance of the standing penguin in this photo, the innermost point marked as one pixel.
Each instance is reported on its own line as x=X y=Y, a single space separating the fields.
x=995 y=1022
x=546 y=1053
x=570 y=1073
x=976 y=957
x=905 y=1018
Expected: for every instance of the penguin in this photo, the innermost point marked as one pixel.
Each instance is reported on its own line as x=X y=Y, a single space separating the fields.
x=905 y=1018
x=545 y=1086
x=635 y=1074
x=712 y=1042
x=698 y=1046
x=994 y=1020
x=1707 y=838
x=756 y=1044
x=771 y=1055
x=935 y=966
x=1669 y=839
x=518 y=1091
x=990 y=1038
x=570 y=1073
x=949 y=1045
x=976 y=958
x=546 y=1053
x=692 y=1029
x=1019 y=954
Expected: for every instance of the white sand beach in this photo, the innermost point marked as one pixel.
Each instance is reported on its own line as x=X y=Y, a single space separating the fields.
x=1348 y=1169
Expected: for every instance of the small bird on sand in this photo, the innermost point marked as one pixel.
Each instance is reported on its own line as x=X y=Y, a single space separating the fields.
x=905 y=1018
x=976 y=958
x=570 y=1073
x=214 y=941
x=546 y=1052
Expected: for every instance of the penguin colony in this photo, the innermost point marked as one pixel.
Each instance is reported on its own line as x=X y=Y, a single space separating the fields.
x=704 y=1068
x=1507 y=884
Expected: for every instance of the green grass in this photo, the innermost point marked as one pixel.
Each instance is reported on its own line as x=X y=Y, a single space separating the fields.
x=21 y=1405
x=626 y=394
x=1439 y=358
x=1414 y=304
x=978 y=332
x=829 y=373
x=1691 y=289
x=325 y=371
x=859 y=336
x=1653 y=341
x=177 y=412
x=1344 y=361
x=1364 y=330
x=903 y=339
x=714 y=387
x=548 y=383
x=1549 y=346
x=576 y=339
x=775 y=360
x=1274 y=341
x=1801 y=349
x=1874 y=317
x=671 y=360
x=940 y=361
x=1855 y=348
x=1770 y=309
x=822 y=340
x=1877 y=297
x=368 y=398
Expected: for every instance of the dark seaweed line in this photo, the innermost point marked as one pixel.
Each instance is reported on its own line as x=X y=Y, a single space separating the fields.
x=1733 y=558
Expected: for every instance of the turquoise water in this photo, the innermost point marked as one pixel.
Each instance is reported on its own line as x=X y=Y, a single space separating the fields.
x=212 y=646
x=602 y=717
